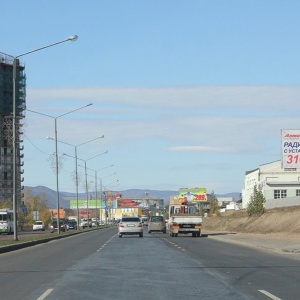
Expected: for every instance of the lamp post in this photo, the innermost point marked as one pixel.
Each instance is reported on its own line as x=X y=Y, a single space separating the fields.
x=106 y=199
x=85 y=167
x=96 y=180
x=96 y=195
x=15 y=61
x=76 y=173
x=56 y=152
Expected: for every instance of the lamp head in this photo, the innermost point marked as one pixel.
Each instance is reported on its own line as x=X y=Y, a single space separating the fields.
x=72 y=38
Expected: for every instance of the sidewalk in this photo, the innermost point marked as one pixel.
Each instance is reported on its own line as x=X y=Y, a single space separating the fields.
x=277 y=242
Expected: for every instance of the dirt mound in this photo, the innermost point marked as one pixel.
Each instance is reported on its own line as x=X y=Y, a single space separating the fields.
x=278 y=220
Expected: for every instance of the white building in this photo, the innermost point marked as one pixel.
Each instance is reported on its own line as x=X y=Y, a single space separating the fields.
x=227 y=203
x=280 y=187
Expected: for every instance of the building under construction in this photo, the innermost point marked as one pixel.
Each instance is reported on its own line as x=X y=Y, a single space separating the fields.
x=7 y=126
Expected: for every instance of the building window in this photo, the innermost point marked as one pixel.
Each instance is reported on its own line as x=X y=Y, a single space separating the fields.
x=297 y=192
x=279 y=194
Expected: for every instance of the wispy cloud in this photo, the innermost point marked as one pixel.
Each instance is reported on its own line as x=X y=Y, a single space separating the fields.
x=206 y=118
x=197 y=149
x=232 y=97
x=165 y=127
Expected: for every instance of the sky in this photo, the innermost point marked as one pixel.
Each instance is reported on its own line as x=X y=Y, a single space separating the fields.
x=186 y=93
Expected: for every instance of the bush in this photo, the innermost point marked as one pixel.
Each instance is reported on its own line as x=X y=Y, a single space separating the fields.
x=256 y=206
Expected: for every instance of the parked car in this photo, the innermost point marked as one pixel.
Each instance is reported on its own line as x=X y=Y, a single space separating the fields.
x=131 y=226
x=85 y=223
x=72 y=224
x=95 y=222
x=62 y=225
x=38 y=225
x=156 y=223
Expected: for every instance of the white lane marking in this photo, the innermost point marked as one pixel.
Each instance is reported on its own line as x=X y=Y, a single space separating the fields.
x=173 y=244
x=271 y=296
x=44 y=295
x=106 y=243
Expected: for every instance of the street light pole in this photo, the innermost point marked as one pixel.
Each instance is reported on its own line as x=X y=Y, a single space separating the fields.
x=76 y=172
x=96 y=188
x=15 y=60
x=85 y=167
x=101 y=193
x=105 y=188
x=56 y=152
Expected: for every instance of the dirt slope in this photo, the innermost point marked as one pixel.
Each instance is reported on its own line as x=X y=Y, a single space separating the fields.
x=278 y=220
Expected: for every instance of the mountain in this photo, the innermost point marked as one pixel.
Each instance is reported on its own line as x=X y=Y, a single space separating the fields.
x=64 y=197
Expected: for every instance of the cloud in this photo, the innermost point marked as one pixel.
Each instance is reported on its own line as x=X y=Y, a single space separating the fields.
x=220 y=119
x=197 y=149
x=252 y=98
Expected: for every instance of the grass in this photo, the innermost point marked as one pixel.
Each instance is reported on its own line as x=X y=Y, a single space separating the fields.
x=38 y=237
x=42 y=236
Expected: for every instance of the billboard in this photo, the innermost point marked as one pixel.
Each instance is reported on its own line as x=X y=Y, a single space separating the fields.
x=84 y=204
x=143 y=203
x=192 y=195
x=290 y=148
x=53 y=213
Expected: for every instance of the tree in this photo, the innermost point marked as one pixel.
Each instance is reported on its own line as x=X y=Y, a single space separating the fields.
x=6 y=204
x=256 y=206
x=214 y=206
x=34 y=203
x=201 y=210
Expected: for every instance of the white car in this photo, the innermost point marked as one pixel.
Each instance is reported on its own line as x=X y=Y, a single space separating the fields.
x=85 y=223
x=130 y=226
x=38 y=225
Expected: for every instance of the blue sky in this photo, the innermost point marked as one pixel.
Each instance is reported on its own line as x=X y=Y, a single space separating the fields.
x=187 y=93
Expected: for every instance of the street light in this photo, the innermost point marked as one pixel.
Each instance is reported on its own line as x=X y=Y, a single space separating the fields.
x=106 y=200
x=96 y=195
x=76 y=173
x=85 y=167
x=56 y=155
x=15 y=60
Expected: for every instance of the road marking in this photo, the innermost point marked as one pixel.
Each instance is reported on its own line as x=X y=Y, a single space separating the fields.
x=269 y=295
x=106 y=243
x=43 y=296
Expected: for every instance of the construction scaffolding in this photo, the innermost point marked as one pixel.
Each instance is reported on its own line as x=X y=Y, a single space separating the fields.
x=6 y=128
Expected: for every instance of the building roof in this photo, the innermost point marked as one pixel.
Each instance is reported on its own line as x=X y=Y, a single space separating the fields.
x=249 y=172
x=283 y=183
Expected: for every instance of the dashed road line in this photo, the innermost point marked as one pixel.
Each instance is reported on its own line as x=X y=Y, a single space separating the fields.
x=98 y=250
x=174 y=244
x=271 y=296
x=44 y=295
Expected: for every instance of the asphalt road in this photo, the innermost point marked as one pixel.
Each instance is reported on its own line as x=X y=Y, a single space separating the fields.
x=100 y=265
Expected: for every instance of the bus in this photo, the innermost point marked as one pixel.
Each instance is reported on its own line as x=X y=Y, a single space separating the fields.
x=6 y=221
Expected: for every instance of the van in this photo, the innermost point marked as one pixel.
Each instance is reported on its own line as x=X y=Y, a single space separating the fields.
x=156 y=223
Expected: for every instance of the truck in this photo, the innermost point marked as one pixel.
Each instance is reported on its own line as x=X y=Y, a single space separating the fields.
x=183 y=219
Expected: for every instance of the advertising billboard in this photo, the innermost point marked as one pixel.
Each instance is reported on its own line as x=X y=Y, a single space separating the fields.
x=290 y=148
x=84 y=204
x=143 y=203
x=192 y=195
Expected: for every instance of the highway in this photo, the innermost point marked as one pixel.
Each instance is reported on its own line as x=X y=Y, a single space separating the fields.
x=100 y=265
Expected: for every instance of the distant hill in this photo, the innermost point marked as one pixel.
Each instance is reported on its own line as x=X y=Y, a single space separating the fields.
x=65 y=197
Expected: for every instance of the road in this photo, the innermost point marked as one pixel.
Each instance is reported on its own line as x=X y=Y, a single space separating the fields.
x=100 y=265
